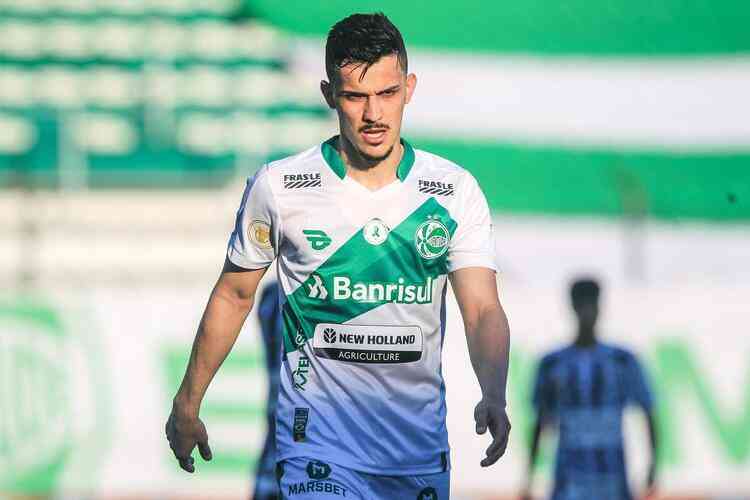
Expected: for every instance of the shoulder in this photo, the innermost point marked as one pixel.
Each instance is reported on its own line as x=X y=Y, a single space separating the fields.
x=299 y=166
x=435 y=172
x=430 y=163
x=619 y=354
x=554 y=357
x=299 y=170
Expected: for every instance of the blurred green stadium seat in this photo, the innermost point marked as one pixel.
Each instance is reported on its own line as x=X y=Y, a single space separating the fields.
x=16 y=88
x=167 y=93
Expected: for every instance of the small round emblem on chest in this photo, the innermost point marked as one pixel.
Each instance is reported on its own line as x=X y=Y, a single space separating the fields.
x=431 y=239
x=376 y=232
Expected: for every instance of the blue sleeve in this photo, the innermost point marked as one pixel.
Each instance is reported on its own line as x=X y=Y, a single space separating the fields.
x=543 y=397
x=639 y=391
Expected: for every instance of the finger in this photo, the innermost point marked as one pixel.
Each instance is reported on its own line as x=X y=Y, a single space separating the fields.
x=494 y=446
x=183 y=449
x=187 y=464
x=168 y=428
x=480 y=416
x=503 y=446
x=495 y=450
x=486 y=462
x=204 y=450
x=490 y=459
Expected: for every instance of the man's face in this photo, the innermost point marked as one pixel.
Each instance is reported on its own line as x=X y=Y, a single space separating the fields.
x=371 y=108
x=587 y=311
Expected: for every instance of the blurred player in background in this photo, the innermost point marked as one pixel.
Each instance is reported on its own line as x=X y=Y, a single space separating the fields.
x=583 y=390
x=365 y=231
x=269 y=314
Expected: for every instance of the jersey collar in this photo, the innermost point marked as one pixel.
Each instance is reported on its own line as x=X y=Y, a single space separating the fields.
x=333 y=159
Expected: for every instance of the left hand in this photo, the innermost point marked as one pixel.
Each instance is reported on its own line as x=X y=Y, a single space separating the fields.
x=493 y=416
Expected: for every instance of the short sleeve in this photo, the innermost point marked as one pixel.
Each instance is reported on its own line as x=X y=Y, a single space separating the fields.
x=543 y=396
x=472 y=244
x=637 y=385
x=257 y=228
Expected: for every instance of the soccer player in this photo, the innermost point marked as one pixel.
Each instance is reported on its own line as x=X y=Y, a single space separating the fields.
x=269 y=314
x=365 y=230
x=583 y=390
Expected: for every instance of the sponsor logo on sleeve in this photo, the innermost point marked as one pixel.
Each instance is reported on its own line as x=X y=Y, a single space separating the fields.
x=297 y=181
x=368 y=343
x=260 y=234
x=435 y=187
x=431 y=239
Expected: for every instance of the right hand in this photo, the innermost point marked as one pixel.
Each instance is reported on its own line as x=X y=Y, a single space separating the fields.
x=492 y=416
x=185 y=433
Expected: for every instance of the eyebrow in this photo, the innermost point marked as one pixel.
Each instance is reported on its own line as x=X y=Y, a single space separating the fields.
x=362 y=94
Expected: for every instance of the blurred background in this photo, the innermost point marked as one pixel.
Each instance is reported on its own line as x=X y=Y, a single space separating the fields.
x=610 y=137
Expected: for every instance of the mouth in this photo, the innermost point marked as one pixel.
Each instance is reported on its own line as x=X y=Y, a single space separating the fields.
x=374 y=136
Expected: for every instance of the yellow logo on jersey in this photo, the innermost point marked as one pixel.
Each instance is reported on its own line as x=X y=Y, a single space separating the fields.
x=260 y=234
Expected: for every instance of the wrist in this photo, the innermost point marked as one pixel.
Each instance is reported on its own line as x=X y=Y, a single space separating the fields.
x=494 y=399
x=182 y=407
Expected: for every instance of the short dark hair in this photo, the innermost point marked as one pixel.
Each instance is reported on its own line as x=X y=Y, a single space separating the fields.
x=363 y=39
x=584 y=289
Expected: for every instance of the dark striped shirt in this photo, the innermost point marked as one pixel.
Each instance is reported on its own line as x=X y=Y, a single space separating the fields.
x=584 y=392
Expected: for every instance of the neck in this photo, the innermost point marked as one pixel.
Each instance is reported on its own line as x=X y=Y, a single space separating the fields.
x=585 y=338
x=373 y=174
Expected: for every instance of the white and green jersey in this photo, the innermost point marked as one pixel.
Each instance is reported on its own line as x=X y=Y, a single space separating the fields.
x=363 y=275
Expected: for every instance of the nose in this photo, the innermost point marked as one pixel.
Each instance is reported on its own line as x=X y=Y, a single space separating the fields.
x=373 y=109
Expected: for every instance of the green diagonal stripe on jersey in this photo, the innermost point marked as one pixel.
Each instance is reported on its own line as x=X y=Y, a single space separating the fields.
x=360 y=276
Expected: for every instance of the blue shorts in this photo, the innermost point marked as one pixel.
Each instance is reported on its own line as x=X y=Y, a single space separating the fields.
x=309 y=479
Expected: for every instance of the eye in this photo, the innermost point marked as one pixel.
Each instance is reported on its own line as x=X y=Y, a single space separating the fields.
x=390 y=92
x=354 y=97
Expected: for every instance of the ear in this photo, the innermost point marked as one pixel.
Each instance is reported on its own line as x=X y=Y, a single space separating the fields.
x=411 y=84
x=327 y=90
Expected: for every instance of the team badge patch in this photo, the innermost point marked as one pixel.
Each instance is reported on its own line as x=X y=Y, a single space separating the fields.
x=431 y=239
x=260 y=234
x=376 y=232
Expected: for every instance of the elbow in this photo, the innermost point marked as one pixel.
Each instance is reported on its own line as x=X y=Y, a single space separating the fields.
x=240 y=298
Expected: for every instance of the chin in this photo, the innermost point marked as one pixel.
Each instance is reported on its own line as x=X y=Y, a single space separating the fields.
x=376 y=153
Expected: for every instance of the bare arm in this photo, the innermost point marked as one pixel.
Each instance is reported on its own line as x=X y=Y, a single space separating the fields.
x=654 y=442
x=230 y=302
x=536 y=434
x=488 y=339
